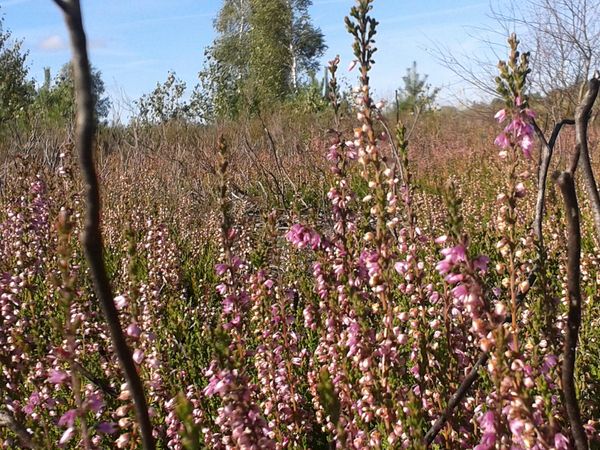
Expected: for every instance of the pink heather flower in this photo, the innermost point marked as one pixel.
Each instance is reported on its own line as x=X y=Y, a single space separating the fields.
x=95 y=403
x=222 y=289
x=454 y=278
x=516 y=426
x=134 y=331
x=518 y=100
x=33 y=401
x=123 y=440
x=520 y=190
x=68 y=418
x=332 y=154
x=487 y=422
x=66 y=436
x=500 y=116
x=218 y=384
x=401 y=267
x=526 y=144
x=221 y=269
x=228 y=304
x=106 y=428
x=231 y=234
x=120 y=302
x=444 y=266
x=481 y=263
x=138 y=356
x=352 y=65
x=236 y=262
x=561 y=442
x=549 y=362
x=57 y=376
x=519 y=127
x=502 y=140
x=453 y=255
x=441 y=240
x=460 y=292
x=302 y=237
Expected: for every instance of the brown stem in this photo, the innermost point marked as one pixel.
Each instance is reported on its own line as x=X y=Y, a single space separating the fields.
x=582 y=118
x=104 y=385
x=25 y=438
x=456 y=398
x=92 y=235
x=546 y=156
x=567 y=186
x=394 y=147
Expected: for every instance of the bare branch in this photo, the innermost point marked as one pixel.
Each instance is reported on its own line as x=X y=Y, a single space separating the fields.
x=547 y=149
x=394 y=147
x=582 y=118
x=456 y=398
x=567 y=186
x=25 y=437
x=562 y=36
x=64 y=5
x=92 y=235
x=104 y=385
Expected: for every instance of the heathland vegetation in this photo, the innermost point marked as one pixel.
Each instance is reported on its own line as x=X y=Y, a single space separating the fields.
x=275 y=262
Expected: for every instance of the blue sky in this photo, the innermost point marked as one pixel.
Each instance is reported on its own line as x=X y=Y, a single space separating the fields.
x=136 y=42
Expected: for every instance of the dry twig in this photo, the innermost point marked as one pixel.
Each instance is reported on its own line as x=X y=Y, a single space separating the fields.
x=567 y=186
x=547 y=150
x=92 y=235
x=24 y=436
x=582 y=119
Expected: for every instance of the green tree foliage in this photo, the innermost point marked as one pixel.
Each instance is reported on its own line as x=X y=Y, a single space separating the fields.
x=310 y=97
x=16 y=91
x=226 y=62
x=307 y=42
x=56 y=100
x=270 y=56
x=263 y=51
x=228 y=58
x=166 y=102
x=416 y=95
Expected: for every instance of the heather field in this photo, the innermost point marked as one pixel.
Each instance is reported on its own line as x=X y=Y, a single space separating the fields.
x=332 y=279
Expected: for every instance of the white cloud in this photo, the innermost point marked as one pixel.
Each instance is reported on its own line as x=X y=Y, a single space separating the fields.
x=53 y=43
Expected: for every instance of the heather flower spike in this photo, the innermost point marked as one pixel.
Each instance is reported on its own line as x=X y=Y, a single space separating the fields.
x=512 y=85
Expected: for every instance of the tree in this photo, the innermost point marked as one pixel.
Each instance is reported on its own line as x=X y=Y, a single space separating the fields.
x=416 y=96
x=562 y=36
x=270 y=57
x=57 y=100
x=226 y=62
x=165 y=103
x=262 y=52
x=16 y=91
x=307 y=43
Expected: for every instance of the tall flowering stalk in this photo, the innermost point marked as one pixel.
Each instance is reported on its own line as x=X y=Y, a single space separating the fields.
x=373 y=371
x=514 y=414
x=240 y=422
